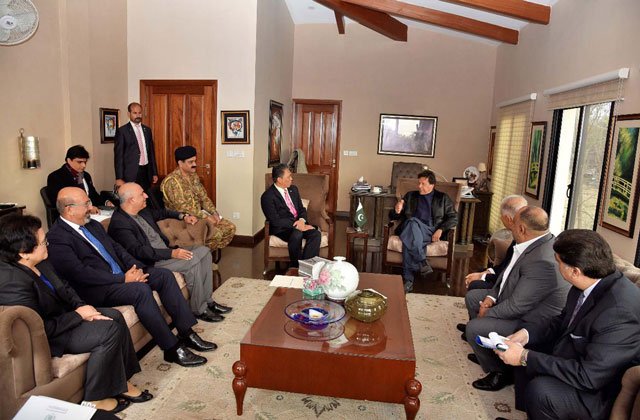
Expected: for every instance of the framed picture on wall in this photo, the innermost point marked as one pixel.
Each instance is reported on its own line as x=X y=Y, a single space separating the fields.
x=492 y=145
x=275 y=133
x=620 y=195
x=534 y=161
x=235 y=127
x=407 y=135
x=108 y=124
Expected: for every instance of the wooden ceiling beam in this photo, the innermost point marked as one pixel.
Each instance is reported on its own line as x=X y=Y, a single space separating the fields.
x=438 y=18
x=372 y=19
x=340 y=22
x=519 y=9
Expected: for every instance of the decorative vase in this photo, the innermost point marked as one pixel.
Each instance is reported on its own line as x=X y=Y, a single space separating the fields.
x=366 y=305
x=338 y=279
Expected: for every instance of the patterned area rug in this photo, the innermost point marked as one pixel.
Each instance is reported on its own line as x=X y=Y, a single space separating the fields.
x=205 y=392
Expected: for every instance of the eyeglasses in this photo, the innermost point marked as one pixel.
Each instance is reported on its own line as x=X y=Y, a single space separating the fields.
x=86 y=204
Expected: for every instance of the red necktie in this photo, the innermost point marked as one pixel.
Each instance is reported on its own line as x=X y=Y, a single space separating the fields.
x=143 y=150
x=287 y=200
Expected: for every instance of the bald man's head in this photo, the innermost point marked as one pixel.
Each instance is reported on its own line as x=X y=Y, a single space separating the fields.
x=74 y=205
x=530 y=222
x=508 y=209
x=132 y=198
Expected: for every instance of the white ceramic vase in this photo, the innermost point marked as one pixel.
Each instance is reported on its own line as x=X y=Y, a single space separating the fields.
x=339 y=279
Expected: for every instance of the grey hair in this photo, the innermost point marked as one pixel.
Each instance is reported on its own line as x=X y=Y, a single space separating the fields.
x=511 y=204
x=62 y=203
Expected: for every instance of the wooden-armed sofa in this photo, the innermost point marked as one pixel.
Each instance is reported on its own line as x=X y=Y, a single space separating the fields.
x=26 y=365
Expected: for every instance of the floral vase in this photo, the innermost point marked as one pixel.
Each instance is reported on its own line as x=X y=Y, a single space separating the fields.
x=338 y=279
x=312 y=289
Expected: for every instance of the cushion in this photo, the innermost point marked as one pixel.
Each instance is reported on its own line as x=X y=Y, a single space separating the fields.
x=61 y=366
x=434 y=249
x=629 y=270
x=305 y=203
x=276 y=242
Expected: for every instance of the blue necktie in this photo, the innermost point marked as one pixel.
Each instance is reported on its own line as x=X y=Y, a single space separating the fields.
x=115 y=268
x=46 y=281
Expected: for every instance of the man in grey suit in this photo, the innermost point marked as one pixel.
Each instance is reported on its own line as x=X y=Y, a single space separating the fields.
x=529 y=288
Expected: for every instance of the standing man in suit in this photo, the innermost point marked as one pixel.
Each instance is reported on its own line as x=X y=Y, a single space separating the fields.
x=134 y=226
x=287 y=217
x=529 y=288
x=94 y=264
x=133 y=154
x=425 y=215
x=573 y=365
x=73 y=174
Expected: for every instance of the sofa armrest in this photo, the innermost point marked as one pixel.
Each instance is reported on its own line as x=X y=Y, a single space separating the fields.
x=25 y=357
x=627 y=404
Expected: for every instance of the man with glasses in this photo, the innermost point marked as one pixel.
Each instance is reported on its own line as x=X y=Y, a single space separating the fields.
x=104 y=274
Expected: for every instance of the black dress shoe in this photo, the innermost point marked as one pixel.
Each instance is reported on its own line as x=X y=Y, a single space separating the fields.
x=462 y=327
x=184 y=357
x=221 y=309
x=121 y=405
x=143 y=397
x=463 y=336
x=473 y=358
x=196 y=342
x=494 y=381
x=425 y=268
x=209 y=316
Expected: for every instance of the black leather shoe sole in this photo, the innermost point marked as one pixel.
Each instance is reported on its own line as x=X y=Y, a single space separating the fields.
x=143 y=397
x=473 y=358
x=221 y=309
x=186 y=360
x=462 y=327
x=210 y=317
x=463 y=336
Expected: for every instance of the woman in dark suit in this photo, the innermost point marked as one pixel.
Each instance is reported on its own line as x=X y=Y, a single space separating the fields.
x=71 y=325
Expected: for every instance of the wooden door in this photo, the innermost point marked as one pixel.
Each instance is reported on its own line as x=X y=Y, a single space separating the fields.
x=316 y=130
x=181 y=113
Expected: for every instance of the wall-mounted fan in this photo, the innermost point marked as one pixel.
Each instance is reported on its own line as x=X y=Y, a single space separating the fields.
x=18 y=21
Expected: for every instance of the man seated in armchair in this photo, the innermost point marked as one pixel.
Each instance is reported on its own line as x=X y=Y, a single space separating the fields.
x=287 y=217
x=425 y=215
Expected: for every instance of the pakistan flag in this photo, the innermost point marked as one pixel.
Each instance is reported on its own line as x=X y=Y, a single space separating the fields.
x=360 y=219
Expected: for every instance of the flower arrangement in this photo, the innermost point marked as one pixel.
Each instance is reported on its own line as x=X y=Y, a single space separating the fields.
x=314 y=288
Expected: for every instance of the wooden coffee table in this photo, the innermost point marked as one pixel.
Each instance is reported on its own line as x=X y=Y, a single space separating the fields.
x=374 y=361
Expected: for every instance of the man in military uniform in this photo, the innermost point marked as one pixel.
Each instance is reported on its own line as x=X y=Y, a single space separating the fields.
x=183 y=192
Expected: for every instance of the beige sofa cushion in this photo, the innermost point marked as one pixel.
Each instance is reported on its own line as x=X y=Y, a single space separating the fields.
x=434 y=249
x=629 y=270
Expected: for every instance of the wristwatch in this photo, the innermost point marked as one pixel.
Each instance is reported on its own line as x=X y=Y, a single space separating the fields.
x=523 y=357
x=183 y=215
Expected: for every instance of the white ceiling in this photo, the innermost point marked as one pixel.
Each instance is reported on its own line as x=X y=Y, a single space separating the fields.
x=308 y=11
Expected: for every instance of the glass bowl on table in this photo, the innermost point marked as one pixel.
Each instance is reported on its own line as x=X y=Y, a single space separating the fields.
x=314 y=314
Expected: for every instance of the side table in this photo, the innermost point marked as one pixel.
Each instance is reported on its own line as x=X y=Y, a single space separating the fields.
x=352 y=234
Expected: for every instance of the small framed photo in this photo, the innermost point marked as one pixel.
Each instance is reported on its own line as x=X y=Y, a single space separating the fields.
x=108 y=124
x=235 y=127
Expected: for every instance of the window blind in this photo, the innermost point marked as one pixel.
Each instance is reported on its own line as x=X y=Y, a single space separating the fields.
x=509 y=159
x=610 y=91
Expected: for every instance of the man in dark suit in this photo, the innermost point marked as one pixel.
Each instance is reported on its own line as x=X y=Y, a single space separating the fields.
x=425 y=215
x=287 y=217
x=94 y=264
x=133 y=154
x=487 y=278
x=134 y=226
x=73 y=174
x=529 y=288
x=574 y=364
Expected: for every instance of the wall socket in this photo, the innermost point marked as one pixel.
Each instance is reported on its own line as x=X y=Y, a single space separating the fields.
x=235 y=215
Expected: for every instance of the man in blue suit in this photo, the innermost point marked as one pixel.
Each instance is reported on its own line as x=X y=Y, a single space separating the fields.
x=105 y=274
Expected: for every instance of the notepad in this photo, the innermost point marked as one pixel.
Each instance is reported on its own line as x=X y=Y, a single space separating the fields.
x=495 y=341
x=293 y=282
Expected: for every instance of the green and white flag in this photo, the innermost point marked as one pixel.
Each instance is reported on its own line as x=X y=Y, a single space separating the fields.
x=360 y=219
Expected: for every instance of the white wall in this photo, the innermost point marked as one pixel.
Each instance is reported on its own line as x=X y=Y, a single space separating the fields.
x=583 y=39
x=198 y=39
x=274 y=76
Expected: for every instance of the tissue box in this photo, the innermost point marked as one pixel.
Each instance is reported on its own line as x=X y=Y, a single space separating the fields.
x=306 y=266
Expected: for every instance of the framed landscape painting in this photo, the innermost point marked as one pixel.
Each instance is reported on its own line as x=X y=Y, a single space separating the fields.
x=621 y=189
x=235 y=127
x=407 y=135
x=534 y=162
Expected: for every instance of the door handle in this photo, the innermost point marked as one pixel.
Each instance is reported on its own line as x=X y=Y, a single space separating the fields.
x=569 y=187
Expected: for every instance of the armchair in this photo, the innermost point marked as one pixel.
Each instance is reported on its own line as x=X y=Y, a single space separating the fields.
x=439 y=254
x=408 y=170
x=314 y=188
